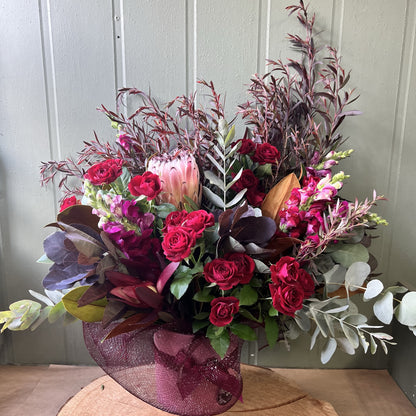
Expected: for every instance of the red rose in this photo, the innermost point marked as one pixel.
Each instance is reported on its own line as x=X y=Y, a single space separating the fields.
x=68 y=202
x=178 y=242
x=174 y=219
x=198 y=221
x=255 y=197
x=247 y=146
x=307 y=283
x=266 y=153
x=223 y=310
x=285 y=271
x=245 y=266
x=287 y=299
x=104 y=172
x=147 y=184
x=247 y=180
x=222 y=272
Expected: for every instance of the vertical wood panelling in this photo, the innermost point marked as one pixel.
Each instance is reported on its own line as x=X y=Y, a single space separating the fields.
x=155 y=45
x=227 y=46
x=24 y=141
x=60 y=60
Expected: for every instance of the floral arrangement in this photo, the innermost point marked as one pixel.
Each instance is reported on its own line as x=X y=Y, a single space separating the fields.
x=180 y=222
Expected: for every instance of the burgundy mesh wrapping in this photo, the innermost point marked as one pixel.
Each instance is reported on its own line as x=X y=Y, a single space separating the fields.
x=177 y=373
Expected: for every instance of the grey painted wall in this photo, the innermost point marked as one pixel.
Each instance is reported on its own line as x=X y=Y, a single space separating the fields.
x=61 y=59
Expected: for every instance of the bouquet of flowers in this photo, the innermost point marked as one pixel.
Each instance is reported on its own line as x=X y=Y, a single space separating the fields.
x=181 y=224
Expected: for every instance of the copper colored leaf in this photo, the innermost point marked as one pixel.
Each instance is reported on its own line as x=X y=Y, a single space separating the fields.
x=79 y=214
x=136 y=321
x=278 y=195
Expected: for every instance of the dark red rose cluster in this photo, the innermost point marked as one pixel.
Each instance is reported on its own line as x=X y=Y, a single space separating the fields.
x=147 y=184
x=290 y=285
x=181 y=231
x=104 y=172
x=250 y=182
x=228 y=272
x=223 y=310
x=262 y=153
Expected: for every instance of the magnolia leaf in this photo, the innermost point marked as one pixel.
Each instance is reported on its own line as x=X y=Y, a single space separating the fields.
x=56 y=312
x=335 y=277
x=88 y=313
x=328 y=350
x=347 y=254
x=278 y=195
x=213 y=198
x=373 y=289
x=272 y=330
x=214 y=179
x=406 y=311
x=383 y=308
x=79 y=214
x=247 y=296
x=356 y=275
x=244 y=332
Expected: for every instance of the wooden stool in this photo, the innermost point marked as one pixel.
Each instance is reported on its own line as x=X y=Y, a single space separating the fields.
x=265 y=393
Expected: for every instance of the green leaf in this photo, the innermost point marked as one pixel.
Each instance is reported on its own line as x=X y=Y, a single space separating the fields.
x=273 y=311
x=123 y=180
x=201 y=315
x=56 y=312
x=406 y=311
x=220 y=343
x=88 y=313
x=163 y=210
x=272 y=330
x=373 y=289
x=243 y=331
x=247 y=296
x=247 y=314
x=180 y=285
x=383 y=308
x=198 y=325
x=204 y=295
x=347 y=254
x=190 y=203
x=264 y=170
x=21 y=316
x=213 y=198
x=230 y=136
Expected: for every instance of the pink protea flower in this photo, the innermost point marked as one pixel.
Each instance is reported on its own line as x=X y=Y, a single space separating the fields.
x=179 y=176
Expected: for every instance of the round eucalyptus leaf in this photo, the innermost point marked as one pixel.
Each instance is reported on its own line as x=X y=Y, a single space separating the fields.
x=406 y=311
x=334 y=278
x=356 y=275
x=383 y=308
x=373 y=289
